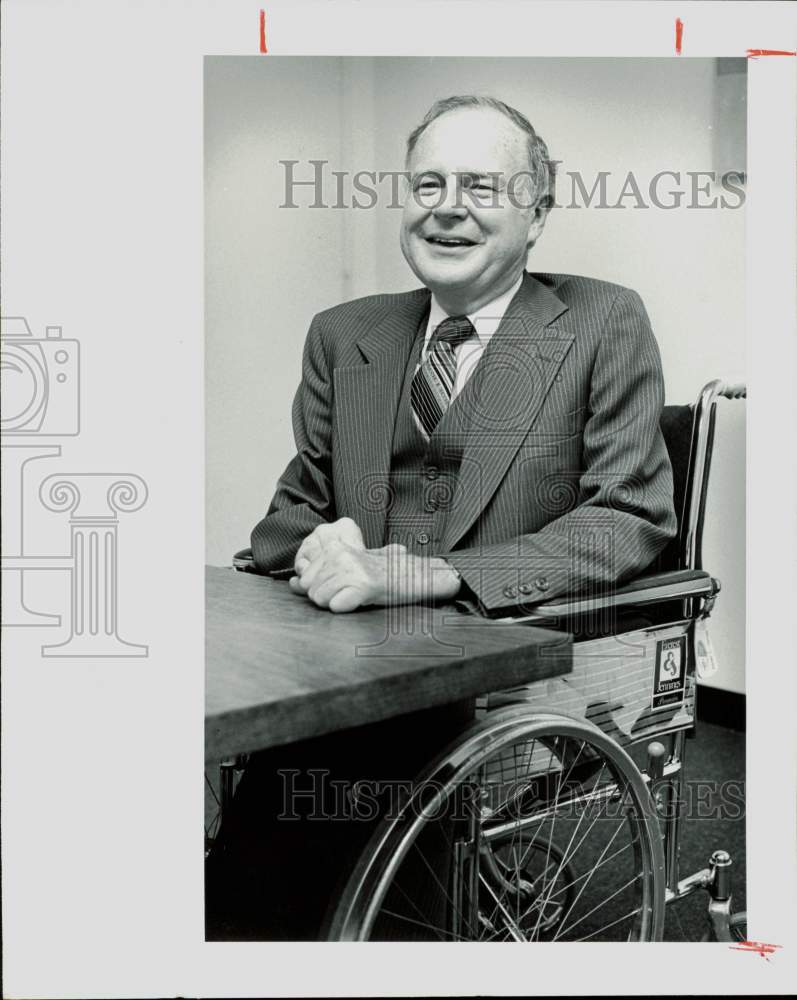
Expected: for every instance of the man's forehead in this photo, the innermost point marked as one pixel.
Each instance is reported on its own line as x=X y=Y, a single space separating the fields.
x=478 y=140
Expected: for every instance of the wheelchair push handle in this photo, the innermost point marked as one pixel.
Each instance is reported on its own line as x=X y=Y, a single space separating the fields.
x=732 y=390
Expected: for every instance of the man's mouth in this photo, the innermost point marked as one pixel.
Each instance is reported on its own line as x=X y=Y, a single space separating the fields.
x=451 y=242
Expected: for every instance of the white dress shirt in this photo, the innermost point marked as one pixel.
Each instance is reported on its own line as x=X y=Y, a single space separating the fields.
x=485 y=321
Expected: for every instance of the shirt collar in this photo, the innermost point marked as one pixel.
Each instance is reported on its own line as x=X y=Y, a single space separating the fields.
x=485 y=320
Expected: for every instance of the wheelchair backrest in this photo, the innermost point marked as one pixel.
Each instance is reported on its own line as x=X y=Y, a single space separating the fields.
x=677 y=424
x=689 y=436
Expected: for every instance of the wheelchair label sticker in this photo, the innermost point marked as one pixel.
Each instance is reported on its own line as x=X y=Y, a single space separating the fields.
x=669 y=681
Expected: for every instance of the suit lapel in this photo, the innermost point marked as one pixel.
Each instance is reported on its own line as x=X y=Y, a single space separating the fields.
x=502 y=399
x=366 y=401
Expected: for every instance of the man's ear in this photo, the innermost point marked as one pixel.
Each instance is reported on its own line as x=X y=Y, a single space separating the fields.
x=537 y=224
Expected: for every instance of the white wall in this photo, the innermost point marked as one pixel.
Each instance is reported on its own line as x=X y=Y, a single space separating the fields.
x=268 y=270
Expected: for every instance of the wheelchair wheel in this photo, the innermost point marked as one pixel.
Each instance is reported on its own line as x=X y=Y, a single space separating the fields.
x=530 y=827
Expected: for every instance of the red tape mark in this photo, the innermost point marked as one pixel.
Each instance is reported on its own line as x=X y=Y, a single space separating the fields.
x=764 y=950
x=679 y=34
x=263 y=31
x=755 y=53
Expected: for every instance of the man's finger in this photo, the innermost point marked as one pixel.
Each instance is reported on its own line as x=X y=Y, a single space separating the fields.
x=310 y=549
x=325 y=563
x=343 y=531
x=309 y=573
x=322 y=572
x=323 y=592
x=346 y=599
x=296 y=586
x=301 y=563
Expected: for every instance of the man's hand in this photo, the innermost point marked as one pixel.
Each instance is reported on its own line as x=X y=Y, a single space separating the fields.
x=343 y=530
x=342 y=576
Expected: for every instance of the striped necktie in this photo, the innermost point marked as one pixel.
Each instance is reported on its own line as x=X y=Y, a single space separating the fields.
x=433 y=383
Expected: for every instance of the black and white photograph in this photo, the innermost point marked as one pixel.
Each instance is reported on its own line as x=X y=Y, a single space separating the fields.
x=476 y=425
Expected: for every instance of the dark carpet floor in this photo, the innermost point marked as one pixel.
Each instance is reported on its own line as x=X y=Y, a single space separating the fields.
x=714 y=818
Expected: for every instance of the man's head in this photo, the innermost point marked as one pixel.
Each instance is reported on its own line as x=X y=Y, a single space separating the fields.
x=481 y=187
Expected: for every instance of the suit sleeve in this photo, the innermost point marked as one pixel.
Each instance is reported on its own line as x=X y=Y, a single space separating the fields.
x=304 y=496
x=621 y=511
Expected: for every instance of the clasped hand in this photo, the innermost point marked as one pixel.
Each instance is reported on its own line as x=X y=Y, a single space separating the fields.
x=335 y=570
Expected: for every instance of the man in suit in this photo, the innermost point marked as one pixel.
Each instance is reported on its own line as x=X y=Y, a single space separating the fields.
x=493 y=436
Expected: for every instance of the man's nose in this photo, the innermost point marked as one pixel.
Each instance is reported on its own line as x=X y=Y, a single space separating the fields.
x=452 y=204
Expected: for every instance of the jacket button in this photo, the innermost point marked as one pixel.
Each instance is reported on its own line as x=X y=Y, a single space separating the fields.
x=525 y=588
x=423 y=538
x=510 y=592
x=431 y=472
x=541 y=583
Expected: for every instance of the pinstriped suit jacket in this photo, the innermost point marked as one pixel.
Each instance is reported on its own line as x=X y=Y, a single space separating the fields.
x=564 y=486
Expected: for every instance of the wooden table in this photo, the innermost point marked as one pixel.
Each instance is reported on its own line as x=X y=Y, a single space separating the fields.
x=278 y=669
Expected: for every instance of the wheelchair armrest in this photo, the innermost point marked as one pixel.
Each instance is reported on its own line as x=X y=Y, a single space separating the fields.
x=244 y=561
x=655 y=588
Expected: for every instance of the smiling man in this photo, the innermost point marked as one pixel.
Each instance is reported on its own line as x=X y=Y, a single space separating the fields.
x=494 y=434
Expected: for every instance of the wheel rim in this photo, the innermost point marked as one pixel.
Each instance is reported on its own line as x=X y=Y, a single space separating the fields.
x=490 y=848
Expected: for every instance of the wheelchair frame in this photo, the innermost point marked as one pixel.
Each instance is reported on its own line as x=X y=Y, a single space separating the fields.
x=697 y=591
x=693 y=592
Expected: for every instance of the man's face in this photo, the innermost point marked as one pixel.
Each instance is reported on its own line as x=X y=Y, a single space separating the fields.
x=470 y=214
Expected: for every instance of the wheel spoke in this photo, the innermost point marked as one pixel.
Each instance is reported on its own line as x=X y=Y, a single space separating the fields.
x=456 y=910
x=591 y=873
x=441 y=933
x=553 y=823
x=209 y=783
x=539 y=852
x=595 y=868
x=603 y=902
x=570 y=852
x=550 y=893
x=597 y=906
x=613 y=923
x=511 y=926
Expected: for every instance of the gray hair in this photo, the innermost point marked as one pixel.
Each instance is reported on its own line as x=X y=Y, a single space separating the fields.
x=541 y=167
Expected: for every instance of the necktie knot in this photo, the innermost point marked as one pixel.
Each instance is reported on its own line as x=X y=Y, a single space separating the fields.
x=453 y=331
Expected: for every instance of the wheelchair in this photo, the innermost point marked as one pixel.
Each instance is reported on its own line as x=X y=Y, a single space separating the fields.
x=556 y=816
